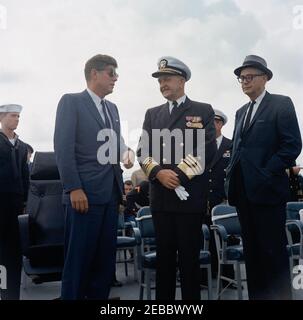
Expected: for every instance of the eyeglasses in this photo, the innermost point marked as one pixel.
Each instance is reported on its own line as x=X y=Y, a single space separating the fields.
x=249 y=77
x=111 y=72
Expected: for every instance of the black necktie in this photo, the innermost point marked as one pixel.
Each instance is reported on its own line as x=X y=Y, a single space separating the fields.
x=174 y=109
x=104 y=111
x=248 y=117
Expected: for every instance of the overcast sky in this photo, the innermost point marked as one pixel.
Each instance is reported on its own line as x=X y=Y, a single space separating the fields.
x=45 y=44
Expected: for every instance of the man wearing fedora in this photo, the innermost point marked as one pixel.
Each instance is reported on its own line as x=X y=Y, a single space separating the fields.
x=14 y=183
x=178 y=185
x=266 y=141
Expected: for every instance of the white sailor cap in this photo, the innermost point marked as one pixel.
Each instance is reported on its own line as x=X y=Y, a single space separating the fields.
x=11 y=108
x=220 y=116
x=172 y=66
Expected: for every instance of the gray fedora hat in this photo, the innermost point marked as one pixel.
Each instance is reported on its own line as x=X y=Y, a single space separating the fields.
x=253 y=61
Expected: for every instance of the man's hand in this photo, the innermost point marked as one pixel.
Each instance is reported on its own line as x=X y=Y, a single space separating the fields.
x=168 y=178
x=128 y=159
x=79 y=200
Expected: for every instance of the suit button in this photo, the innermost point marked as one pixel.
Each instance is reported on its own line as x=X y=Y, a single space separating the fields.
x=225 y=170
x=164 y=160
x=163 y=144
x=224 y=179
x=209 y=170
x=210 y=180
x=210 y=191
x=181 y=144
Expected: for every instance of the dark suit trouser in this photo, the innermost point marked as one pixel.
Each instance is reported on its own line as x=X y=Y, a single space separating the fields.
x=90 y=251
x=180 y=233
x=11 y=205
x=264 y=243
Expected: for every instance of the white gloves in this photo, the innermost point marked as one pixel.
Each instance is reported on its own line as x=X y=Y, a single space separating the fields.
x=181 y=193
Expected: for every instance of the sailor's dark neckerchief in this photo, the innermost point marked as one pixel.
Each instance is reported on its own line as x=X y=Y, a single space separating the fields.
x=14 y=154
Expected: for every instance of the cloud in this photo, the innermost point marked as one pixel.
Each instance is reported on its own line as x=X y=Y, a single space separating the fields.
x=45 y=46
x=8 y=77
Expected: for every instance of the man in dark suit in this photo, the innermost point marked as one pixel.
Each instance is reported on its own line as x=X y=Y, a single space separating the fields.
x=173 y=156
x=14 y=183
x=266 y=141
x=88 y=147
x=216 y=192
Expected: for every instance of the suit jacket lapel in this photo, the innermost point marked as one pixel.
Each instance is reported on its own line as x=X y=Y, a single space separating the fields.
x=181 y=109
x=113 y=116
x=239 y=124
x=164 y=116
x=241 y=120
x=92 y=108
x=260 y=110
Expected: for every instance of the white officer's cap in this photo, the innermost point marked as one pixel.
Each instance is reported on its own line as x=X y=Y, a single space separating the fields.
x=172 y=66
x=11 y=108
x=220 y=116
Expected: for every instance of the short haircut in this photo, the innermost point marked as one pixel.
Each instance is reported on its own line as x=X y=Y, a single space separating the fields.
x=98 y=62
x=128 y=182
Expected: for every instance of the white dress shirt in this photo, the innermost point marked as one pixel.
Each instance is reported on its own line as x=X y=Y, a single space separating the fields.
x=97 y=100
x=219 y=141
x=255 y=107
x=179 y=101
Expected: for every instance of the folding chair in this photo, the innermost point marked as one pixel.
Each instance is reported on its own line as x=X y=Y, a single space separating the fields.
x=294 y=233
x=205 y=258
x=226 y=223
x=146 y=253
x=126 y=243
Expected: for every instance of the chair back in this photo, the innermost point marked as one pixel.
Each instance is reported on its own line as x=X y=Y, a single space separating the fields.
x=147 y=232
x=292 y=210
x=227 y=216
x=44 y=204
x=146 y=226
x=143 y=211
x=45 y=212
x=293 y=213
